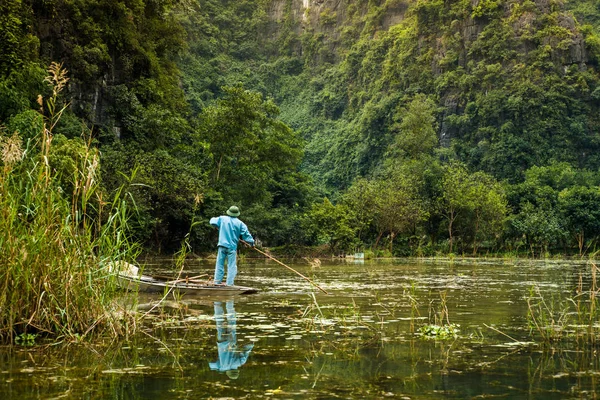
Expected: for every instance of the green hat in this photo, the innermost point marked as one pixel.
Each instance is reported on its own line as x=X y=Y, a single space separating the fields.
x=233 y=211
x=232 y=373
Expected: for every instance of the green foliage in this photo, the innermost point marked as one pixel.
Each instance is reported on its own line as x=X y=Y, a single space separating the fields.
x=489 y=209
x=164 y=189
x=398 y=208
x=455 y=196
x=580 y=208
x=28 y=124
x=540 y=226
x=139 y=35
x=552 y=203
x=473 y=204
x=65 y=158
x=20 y=89
x=327 y=17
x=416 y=132
x=331 y=225
x=361 y=199
x=57 y=244
x=26 y=339
x=230 y=104
x=17 y=44
x=249 y=146
x=487 y=8
x=515 y=104
x=440 y=332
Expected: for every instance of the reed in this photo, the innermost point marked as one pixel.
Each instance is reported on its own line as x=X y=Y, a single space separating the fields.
x=56 y=246
x=555 y=319
x=440 y=327
x=411 y=295
x=549 y=317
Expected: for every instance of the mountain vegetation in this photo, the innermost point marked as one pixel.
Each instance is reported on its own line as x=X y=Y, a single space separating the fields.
x=401 y=127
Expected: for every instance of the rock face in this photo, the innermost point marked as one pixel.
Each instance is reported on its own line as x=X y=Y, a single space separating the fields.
x=333 y=26
x=337 y=23
x=326 y=15
x=329 y=18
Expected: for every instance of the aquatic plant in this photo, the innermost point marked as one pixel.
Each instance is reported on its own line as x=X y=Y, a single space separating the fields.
x=414 y=305
x=442 y=332
x=59 y=233
x=556 y=318
x=26 y=339
x=439 y=326
x=441 y=316
x=548 y=317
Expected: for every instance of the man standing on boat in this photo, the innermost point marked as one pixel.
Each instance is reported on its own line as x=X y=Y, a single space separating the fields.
x=230 y=230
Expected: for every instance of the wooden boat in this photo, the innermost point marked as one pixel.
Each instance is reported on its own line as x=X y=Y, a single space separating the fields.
x=144 y=283
x=130 y=279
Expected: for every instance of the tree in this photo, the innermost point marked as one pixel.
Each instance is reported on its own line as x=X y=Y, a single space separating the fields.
x=456 y=196
x=489 y=208
x=416 y=133
x=479 y=201
x=398 y=208
x=360 y=198
x=580 y=208
x=249 y=146
x=540 y=226
x=332 y=225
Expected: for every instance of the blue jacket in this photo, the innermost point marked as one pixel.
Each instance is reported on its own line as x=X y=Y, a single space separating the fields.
x=230 y=357
x=230 y=230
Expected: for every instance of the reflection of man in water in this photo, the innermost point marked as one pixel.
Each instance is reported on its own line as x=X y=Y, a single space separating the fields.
x=230 y=357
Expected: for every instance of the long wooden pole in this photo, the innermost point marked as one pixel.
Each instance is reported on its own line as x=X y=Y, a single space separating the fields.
x=288 y=267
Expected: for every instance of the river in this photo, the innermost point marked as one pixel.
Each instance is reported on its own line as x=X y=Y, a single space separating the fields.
x=361 y=341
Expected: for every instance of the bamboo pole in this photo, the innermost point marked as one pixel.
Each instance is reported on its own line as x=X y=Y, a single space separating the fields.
x=288 y=267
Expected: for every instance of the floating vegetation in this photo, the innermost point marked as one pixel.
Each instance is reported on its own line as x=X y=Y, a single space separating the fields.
x=440 y=332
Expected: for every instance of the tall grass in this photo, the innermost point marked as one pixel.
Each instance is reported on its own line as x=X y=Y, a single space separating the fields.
x=55 y=247
x=577 y=317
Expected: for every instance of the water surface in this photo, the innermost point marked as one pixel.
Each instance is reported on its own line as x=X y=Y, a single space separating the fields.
x=360 y=341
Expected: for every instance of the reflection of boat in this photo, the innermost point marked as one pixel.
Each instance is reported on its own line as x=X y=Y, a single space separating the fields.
x=130 y=279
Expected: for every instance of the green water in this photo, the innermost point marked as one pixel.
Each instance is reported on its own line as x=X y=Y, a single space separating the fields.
x=360 y=341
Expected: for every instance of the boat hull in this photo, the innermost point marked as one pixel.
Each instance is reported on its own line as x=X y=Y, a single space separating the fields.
x=149 y=284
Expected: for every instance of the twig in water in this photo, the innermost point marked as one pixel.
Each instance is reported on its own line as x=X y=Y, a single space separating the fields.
x=502 y=333
x=175 y=361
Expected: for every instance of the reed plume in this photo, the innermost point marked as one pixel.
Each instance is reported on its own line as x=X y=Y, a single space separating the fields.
x=56 y=244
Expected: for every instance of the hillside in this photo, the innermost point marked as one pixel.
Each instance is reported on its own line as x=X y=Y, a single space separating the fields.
x=513 y=82
x=348 y=123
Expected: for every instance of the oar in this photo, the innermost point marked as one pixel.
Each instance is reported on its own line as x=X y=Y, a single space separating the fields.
x=288 y=267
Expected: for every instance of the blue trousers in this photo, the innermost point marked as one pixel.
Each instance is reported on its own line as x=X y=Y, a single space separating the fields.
x=231 y=256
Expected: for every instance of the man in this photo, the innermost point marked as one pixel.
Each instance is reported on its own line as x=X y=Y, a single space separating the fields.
x=230 y=229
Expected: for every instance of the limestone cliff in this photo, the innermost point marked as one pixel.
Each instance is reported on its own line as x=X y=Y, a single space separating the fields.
x=451 y=35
